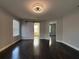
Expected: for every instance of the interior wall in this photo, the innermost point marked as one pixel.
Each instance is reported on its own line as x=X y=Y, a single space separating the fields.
x=27 y=30
x=59 y=30
x=44 y=30
x=6 y=30
x=71 y=29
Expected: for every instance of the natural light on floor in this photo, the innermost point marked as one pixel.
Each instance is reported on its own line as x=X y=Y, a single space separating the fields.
x=50 y=42
x=49 y=35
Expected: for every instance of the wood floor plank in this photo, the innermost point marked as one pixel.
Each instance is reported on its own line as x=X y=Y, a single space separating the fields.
x=27 y=50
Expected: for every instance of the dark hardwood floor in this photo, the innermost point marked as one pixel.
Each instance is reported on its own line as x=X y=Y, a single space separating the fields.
x=27 y=50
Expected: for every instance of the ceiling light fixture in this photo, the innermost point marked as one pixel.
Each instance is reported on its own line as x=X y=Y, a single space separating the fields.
x=38 y=8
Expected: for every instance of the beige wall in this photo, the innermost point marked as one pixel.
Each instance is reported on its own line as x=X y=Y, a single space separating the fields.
x=6 y=35
x=68 y=29
x=59 y=30
x=71 y=29
x=44 y=30
x=27 y=30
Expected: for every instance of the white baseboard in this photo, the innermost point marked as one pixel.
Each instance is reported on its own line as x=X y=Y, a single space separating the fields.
x=69 y=45
x=5 y=47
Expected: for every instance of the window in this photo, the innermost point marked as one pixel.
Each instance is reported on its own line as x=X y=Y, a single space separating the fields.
x=16 y=27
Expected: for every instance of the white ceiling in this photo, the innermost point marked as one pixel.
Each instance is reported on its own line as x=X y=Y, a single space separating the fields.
x=56 y=8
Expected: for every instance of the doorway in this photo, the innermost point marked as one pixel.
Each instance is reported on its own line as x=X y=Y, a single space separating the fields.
x=52 y=33
x=36 y=33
